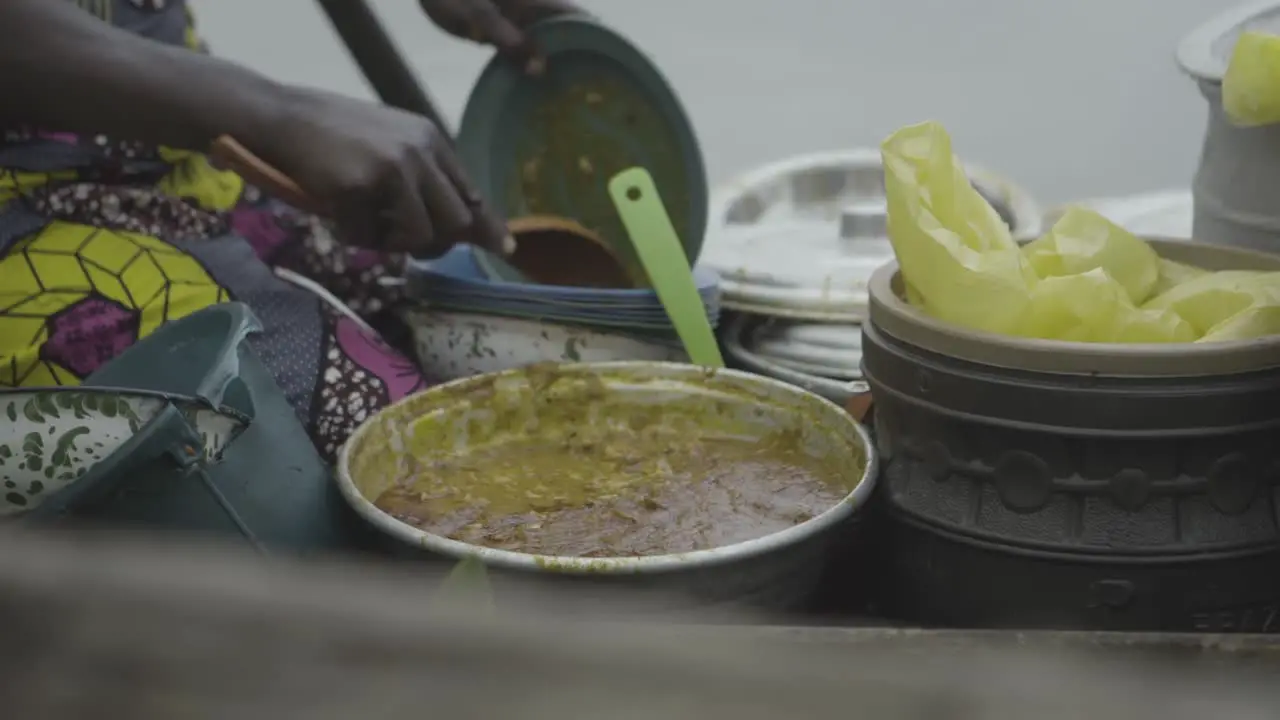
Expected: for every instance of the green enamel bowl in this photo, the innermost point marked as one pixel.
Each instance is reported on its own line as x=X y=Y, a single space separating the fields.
x=548 y=145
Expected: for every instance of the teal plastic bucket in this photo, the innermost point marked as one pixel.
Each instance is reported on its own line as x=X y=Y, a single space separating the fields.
x=268 y=486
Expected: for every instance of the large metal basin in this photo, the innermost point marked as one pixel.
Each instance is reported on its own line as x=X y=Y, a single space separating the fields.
x=777 y=571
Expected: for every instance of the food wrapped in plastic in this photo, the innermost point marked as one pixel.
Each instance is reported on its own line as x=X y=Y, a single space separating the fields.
x=957 y=256
x=1174 y=273
x=1082 y=240
x=1226 y=305
x=1251 y=85
x=1092 y=307
x=1086 y=280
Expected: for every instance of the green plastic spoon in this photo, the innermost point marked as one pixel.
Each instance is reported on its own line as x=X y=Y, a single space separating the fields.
x=660 y=252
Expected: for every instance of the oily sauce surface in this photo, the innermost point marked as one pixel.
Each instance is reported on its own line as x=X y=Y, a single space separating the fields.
x=614 y=493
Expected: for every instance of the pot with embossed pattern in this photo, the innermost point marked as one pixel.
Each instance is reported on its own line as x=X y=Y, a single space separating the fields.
x=1036 y=483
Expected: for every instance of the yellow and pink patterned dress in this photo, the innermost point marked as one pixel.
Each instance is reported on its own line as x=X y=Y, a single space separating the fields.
x=102 y=242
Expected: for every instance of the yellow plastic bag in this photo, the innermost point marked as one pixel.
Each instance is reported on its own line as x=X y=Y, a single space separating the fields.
x=1251 y=85
x=1173 y=274
x=1092 y=307
x=1082 y=240
x=1226 y=305
x=956 y=253
x=1086 y=280
x=1093 y=273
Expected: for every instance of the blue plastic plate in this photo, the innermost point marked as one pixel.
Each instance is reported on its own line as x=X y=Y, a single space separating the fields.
x=458 y=272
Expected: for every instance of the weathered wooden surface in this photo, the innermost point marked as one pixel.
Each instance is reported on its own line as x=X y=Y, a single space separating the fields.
x=98 y=628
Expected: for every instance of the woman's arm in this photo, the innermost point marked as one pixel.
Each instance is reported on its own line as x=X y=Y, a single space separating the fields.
x=388 y=178
x=63 y=69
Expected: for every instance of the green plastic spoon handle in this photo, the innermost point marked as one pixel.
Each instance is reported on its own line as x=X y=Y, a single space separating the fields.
x=658 y=247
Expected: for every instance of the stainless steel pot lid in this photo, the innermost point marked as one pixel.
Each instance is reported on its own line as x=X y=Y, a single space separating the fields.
x=1205 y=52
x=1164 y=213
x=801 y=237
x=822 y=349
x=735 y=337
x=799 y=270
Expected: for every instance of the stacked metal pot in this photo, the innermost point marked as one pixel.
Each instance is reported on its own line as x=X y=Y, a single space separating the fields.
x=1235 y=184
x=795 y=243
x=1025 y=483
x=1045 y=483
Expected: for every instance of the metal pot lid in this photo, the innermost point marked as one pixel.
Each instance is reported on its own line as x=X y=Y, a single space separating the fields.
x=736 y=339
x=800 y=238
x=801 y=268
x=1205 y=52
x=823 y=349
x=1165 y=213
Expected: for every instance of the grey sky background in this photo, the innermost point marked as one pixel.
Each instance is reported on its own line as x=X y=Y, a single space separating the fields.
x=1071 y=98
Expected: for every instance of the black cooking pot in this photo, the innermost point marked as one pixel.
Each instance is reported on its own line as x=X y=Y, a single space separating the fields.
x=1034 y=483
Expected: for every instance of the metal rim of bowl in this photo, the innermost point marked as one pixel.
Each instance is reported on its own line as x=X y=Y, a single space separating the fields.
x=646 y=565
x=412 y=315
x=1195 y=52
x=1025 y=210
x=323 y=293
x=896 y=317
x=833 y=390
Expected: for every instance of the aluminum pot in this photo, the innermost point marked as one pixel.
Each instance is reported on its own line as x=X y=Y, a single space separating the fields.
x=1076 y=485
x=1239 y=170
x=778 y=571
x=452 y=345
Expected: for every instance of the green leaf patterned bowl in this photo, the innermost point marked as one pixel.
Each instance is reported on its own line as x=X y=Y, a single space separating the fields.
x=52 y=437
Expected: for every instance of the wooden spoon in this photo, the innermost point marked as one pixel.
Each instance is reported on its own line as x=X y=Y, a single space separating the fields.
x=549 y=250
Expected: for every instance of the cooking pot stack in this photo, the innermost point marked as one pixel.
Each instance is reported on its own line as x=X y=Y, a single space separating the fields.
x=1034 y=483
x=795 y=243
x=1234 y=187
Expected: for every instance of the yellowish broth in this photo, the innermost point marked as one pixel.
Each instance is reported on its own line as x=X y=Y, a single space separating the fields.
x=615 y=491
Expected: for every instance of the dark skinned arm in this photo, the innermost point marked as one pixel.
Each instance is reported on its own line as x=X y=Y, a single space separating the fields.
x=64 y=69
x=387 y=177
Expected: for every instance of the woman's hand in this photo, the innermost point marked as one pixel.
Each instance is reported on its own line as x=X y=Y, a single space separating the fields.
x=500 y=23
x=388 y=178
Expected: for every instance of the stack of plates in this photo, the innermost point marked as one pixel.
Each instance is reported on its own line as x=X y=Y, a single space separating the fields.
x=458 y=282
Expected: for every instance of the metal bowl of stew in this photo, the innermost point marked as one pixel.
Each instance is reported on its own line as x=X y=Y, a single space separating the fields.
x=778 y=570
